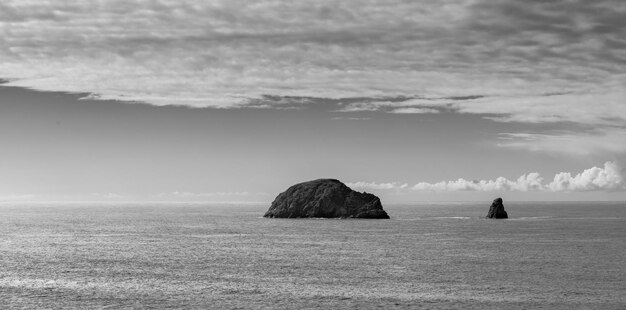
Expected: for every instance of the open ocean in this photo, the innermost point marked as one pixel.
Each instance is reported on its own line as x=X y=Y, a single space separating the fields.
x=443 y=256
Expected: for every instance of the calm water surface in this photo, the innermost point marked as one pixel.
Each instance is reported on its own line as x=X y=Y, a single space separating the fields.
x=550 y=256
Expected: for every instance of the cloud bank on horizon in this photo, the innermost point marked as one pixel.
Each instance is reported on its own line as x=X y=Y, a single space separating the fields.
x=533 y=62
x=611 y=177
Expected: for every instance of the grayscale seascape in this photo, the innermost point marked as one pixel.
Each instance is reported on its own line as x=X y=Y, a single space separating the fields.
x=438 y=256
x=280 y=154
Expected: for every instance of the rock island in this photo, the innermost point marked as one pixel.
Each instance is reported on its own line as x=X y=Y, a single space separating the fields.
x=325 y=198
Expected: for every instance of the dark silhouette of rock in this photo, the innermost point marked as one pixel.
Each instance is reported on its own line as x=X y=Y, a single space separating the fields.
x=496 y=211
x=327 y=198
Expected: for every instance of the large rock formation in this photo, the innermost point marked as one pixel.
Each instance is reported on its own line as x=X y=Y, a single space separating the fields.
x=327 y=198
x=496 y=211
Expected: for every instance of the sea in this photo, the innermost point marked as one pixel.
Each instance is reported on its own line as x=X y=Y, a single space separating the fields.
x=227 y=256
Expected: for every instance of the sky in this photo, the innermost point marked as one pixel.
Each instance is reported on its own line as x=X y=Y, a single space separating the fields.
x=234 y=101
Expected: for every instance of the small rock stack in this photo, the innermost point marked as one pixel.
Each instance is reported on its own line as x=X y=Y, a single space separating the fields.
x=496 y=211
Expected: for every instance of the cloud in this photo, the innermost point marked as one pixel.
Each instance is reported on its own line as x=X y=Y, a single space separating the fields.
x=529 y=182
x=377 y=186
x=227 y=53
x=533 y=62
x=612 y=177
x=217 y=54
x=414 y=111
x=597 y=141
x=597 y=107
x=398 y=105
x=607 y=109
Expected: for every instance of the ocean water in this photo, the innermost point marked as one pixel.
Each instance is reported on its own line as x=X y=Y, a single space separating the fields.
x=445 y=256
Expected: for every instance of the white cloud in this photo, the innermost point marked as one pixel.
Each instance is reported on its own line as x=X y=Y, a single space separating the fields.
x=414 y=111
x=612 y=177
x=528 y=182
x=377 y=186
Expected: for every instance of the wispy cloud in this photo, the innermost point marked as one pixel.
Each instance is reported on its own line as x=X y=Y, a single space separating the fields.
x=226 y=53
x=340 y=118
x=581 y=143
x=531 y=62
x=398 y=105
x=414 y=111
x=611 y=177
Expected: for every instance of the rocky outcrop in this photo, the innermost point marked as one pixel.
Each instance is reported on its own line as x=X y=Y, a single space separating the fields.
x=496 y=211
x=326 y=198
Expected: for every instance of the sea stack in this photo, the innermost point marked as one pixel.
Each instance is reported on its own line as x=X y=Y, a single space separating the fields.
x=326 y=198
x=496 y=211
